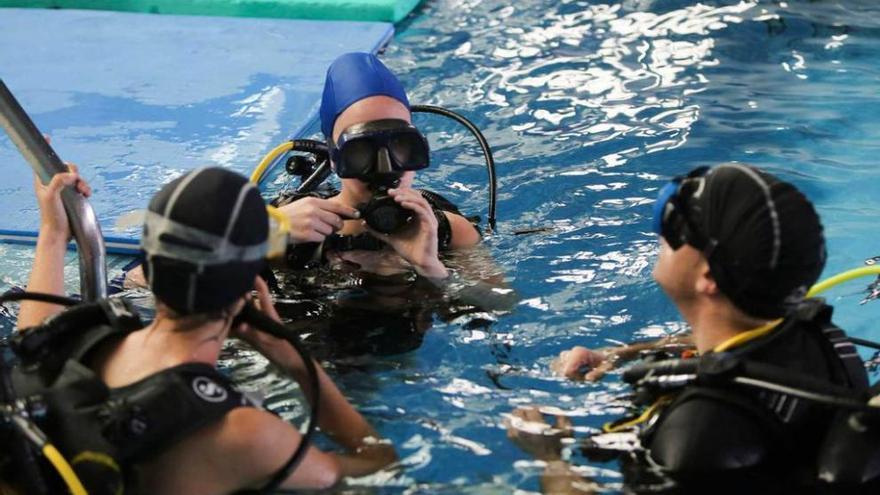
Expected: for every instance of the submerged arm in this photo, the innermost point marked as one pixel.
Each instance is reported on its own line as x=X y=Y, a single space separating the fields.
x=366 y=452
x=527 y=429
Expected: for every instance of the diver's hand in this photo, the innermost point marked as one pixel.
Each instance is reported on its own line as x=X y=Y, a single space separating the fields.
x=417 y=243
x=53 y=218
x=528 y=430
x=313 y=219
x=47 y=273
x=277 y=350
x=572 y=363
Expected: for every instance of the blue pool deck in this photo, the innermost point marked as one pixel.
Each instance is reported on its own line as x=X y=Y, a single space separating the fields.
x=137 y=99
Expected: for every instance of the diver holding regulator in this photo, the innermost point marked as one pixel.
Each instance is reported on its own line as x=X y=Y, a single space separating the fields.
x=374 y=262
x=375 y=151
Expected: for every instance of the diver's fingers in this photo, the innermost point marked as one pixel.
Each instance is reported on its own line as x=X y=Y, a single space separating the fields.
x=330 y=218
x=81 y=185
x=337 y=208
x=599 y=371
x=414 y=201
x=519 y=412
x=574 y=360
x=566 y=365
x=408 y=194
x=424 y=212
x=420 y=210
x=84 y=188
x=320 y=226
x=522 y=413
x=534 y=414
x=315 y=224
x=59 y=181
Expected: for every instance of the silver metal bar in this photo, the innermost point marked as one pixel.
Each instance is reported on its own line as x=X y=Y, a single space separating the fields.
x=46 y=163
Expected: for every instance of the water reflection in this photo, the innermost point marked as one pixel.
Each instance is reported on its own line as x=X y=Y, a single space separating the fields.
x=589 y=107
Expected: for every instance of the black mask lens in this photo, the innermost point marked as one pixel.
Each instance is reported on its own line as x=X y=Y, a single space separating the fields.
x=358 y=157
x=408 y=151
x=359 y=147
x=679 y=227
x=672 y=231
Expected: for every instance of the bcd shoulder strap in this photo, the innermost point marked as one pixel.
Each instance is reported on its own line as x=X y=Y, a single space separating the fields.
x=840 y=350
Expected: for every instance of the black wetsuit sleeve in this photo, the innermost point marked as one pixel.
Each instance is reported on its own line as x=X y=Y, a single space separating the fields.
x=703 y=434
x=439 y=205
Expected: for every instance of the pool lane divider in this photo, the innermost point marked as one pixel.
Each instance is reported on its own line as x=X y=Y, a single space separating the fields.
x=112 y=245
x=340 y=10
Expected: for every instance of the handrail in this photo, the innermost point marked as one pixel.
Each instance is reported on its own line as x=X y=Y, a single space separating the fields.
x=46 y=163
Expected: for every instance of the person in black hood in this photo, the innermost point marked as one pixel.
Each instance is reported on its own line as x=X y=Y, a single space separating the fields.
x=739 y=250
x=205 y=239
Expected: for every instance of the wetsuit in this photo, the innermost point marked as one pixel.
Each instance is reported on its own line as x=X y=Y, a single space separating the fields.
x=105 y=432
x=741 y=437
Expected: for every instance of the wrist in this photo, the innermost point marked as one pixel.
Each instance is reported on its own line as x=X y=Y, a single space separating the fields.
x=434 y=270
x=53 y=237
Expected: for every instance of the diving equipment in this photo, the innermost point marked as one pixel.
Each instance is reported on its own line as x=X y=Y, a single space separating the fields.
x=322 y=168
x=749 y=381
x=379 y=147
x=381 y=212
x=311 y=254
x=378 y=153
x=104 y=431
x=672 y=218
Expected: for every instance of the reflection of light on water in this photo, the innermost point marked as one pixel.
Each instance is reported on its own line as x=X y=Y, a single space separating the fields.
x=581 y=104
x=249 y=143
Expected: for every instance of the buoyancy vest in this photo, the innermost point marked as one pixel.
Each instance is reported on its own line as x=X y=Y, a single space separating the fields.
x=806 y=344
x=704 y=429
x=105 y=432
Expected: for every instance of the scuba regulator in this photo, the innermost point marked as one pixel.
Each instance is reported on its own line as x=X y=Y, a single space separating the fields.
x=381 y=212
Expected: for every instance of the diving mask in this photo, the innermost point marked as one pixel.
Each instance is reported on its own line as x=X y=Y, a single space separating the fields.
x=380 y=147
x=378 y=153
x=673 y=218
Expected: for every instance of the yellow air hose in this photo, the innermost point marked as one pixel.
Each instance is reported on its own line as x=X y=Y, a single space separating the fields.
x=35 y=435
x=843 y=277
x=269 y=159
x=67 y=474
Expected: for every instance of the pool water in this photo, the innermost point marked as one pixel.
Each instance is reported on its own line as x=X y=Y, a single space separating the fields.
x=590 y=108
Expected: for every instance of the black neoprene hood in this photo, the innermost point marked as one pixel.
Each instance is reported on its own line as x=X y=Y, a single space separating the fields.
x=767 y=246
x=205 y=240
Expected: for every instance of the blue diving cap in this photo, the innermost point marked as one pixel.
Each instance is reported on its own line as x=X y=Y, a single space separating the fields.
x=351 y=78
x=663 y=198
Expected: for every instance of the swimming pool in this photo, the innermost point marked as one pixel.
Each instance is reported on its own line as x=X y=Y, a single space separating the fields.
x=590 y=107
